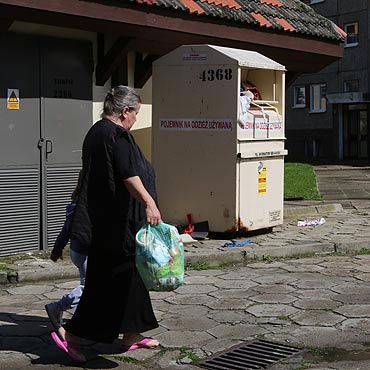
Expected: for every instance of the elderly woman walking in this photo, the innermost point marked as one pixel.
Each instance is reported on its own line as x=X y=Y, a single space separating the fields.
x=117 y=197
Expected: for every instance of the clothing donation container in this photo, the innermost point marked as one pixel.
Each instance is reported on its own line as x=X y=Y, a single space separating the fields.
x=218 y=137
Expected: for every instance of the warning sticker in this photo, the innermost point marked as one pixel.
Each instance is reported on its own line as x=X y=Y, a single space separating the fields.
x=262 y=172
x=13 y=99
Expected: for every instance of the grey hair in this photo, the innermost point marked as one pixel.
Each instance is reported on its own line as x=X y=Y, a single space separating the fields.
x=118 y=98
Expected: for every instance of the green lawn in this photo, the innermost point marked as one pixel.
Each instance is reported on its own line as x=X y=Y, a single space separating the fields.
x=300 y=181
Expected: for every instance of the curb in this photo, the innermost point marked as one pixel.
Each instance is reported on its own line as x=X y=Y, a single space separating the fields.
x=352 y=246
x=247 y=255
x=65 y=272
x=238 y=255
x=235 y=256
x=33 y=276
x=302 y=211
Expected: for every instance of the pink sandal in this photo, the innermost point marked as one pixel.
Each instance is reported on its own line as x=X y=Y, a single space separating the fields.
x=71 y=349
x=141 y=344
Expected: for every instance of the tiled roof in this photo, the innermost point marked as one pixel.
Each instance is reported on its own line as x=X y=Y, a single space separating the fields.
x=291 y=16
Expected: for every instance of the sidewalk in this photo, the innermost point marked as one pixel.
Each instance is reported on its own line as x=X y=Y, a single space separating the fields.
x=321 y=302
x=345 y=230
x=285 y=240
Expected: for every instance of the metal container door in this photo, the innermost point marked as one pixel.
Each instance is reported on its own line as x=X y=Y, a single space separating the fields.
x=19 y=137
x=66 y=106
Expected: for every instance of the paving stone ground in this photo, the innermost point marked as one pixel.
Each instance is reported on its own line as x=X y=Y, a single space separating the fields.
x=302 y=302
x=320 y=302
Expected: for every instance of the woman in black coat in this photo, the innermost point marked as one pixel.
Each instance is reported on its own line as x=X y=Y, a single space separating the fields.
x=117 y=197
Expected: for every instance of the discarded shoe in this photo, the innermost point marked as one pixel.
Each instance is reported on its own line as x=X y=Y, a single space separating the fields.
x=71 y=349
x=142 y=344
x=55 y=315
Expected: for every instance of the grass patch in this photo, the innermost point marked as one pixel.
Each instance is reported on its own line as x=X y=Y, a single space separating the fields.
x=5 y=268
x=300 y=181
x=304 y=367
x=364 y=251
x=199 y=266
x=124 y=360
x=186 y=352
x=24 y=256
x=315 y=350
x=360 y=213
x=8 y=260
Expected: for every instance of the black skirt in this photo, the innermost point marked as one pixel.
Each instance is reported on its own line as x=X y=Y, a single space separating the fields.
x=114 y=301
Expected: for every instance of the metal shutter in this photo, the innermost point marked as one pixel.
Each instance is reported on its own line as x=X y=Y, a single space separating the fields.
x=19 y=210
x=60 y=183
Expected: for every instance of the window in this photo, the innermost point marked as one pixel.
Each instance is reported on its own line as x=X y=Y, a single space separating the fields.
x=299 y=97
x=352 y=34
x=318 y=98
x=351 y=86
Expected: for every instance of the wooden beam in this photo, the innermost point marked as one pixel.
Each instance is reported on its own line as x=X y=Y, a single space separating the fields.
x=143 y=69
x=120 y=75
x=161 y=31
x=290 y=77
x=170 y=20
x=110 y=62
x=100 y=46
x=5 y=24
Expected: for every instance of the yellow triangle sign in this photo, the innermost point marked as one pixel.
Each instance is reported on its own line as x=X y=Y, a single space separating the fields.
x=13 y=98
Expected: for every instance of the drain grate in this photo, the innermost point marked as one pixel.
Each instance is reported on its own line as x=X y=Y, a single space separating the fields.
x=258 y=354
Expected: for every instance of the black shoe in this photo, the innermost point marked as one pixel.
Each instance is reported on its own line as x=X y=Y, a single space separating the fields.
x=55 y=315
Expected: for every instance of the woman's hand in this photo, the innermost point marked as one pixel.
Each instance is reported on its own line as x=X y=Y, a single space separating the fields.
x=153 y=216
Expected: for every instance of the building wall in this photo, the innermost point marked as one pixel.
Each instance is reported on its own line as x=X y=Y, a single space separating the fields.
x=49 y=128
x=315 y=136
x=142 y=128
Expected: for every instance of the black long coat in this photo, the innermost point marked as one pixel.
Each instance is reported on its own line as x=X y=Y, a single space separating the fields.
x=114 y=299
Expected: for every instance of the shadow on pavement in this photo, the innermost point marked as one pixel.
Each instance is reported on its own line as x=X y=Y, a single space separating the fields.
x=30 y=337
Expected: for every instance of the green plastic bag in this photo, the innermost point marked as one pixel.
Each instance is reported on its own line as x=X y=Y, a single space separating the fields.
x=160 y=257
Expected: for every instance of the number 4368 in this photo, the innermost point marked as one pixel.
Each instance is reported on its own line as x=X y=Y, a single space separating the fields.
x=217 y=74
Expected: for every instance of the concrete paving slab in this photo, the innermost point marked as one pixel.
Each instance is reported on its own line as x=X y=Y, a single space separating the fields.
x=315 y=317
x=183 y=338
x=353 y=310
x=317 y=292
x=353 y=298
x=233 y=293
x=190 y=322
x=316 y=304
x=272 y=289
x=229 y=304
x=273 y=298
x=242 y=332
x=259 y=310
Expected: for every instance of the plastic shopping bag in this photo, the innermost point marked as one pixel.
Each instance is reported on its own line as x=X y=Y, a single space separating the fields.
x=160 y=257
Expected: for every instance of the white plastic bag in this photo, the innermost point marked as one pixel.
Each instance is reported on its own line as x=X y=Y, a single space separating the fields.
x=311 y=222
x=160 y=257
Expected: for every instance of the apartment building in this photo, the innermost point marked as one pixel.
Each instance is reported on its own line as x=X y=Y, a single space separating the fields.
x=327 y=113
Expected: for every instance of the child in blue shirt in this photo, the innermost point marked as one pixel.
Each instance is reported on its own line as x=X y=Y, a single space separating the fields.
x=78 y=253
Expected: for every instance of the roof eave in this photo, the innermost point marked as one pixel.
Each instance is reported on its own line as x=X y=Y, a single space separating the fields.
x=178 y=28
